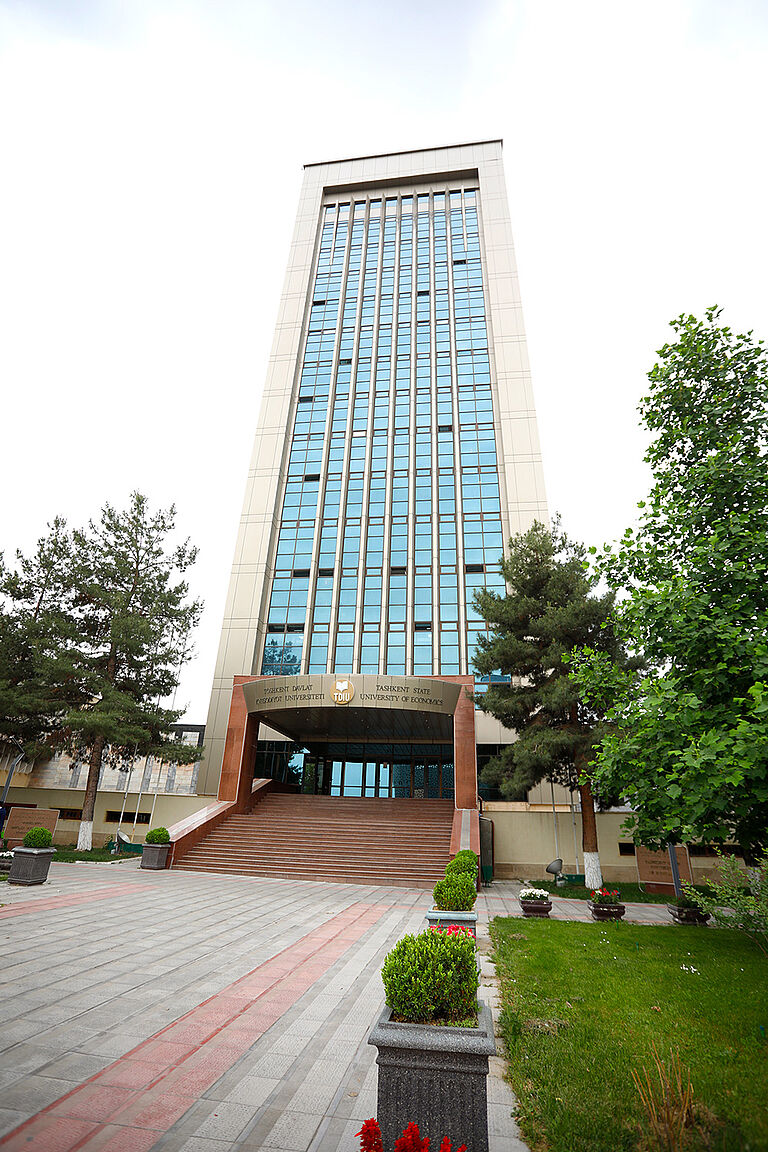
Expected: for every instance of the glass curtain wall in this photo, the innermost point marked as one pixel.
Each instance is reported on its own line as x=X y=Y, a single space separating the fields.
x=391 y=514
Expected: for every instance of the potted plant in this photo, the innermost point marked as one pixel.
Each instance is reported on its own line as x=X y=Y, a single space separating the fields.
x=433 y=1038
x=605 y=904
x=154 y=850
x=465 y=861
x=32 y=859
x=455 y=895
x=685 y=910
x=535 y=902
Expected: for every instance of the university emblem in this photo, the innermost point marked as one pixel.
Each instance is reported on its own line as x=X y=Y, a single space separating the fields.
x=342 y=691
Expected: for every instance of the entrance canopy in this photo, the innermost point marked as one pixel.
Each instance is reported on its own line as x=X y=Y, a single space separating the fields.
x=324 y=707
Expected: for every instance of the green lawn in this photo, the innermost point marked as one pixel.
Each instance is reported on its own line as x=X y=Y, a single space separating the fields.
x=99 y=855
x=584 y=1003
x=631 y=892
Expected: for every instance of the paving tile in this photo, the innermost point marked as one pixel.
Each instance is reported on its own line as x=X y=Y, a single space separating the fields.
x=10 y=1118
x=94 y=1102
x=116 y=1138
x=501 y=1122
x=75 y=1066
x=49 y=1133
x=293 y=1131
x=253 y=1091
x=156 y=1109
x=111 y=1044
x=25 y=1058
x=275 y=1066
x=131 y=1074
x=198 y=1144
x=31 y=1094
x=225 y=1121
x=336 y=1135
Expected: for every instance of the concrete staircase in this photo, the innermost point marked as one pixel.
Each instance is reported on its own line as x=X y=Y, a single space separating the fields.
x=357 y=841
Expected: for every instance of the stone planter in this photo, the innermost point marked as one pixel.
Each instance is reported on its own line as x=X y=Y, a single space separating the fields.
x=606 y=911
x=687 y=915
x=438 y=919
x=154 y=855
x=436 y=1077
x=540 y=908
x=30 y=865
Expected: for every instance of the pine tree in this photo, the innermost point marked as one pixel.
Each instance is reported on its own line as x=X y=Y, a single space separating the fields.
x=549 y=609
x=39 y=680
x=103 y=619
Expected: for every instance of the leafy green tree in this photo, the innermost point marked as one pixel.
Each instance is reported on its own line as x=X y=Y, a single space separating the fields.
x=114 y=627
x=738 y=899
x=550 y=608
x=688 y=745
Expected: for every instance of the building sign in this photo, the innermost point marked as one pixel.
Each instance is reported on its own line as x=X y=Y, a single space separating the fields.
x=409 y=693
x=20 y=820
x=654 y=869
x=342 y=691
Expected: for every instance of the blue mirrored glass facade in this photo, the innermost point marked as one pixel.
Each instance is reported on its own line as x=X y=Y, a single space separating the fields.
x=391 y=510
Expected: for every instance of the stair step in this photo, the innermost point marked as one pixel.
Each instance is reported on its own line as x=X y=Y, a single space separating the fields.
x=358 y=840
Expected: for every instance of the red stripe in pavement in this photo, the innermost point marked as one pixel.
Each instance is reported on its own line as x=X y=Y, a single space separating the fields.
x=48 y=902
x=138 y=1097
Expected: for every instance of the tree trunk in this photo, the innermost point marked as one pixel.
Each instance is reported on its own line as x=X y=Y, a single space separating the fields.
x=593 y=877
x=85 y=835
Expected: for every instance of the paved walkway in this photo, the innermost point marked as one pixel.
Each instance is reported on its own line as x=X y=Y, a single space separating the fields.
x=179 y=1011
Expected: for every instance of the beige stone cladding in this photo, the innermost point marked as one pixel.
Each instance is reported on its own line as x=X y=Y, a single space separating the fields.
x=520 y=472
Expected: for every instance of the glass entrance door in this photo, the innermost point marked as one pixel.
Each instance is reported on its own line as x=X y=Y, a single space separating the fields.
x=409 y=774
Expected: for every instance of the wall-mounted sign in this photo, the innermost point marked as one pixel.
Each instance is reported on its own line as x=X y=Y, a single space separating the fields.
x=409 y=693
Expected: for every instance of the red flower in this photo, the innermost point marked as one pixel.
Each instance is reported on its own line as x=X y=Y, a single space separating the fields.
x=370 y=1137
x=411 y=1140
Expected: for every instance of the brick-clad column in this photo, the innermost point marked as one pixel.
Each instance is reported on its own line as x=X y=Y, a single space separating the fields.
x=236 y=768
x=464 y=745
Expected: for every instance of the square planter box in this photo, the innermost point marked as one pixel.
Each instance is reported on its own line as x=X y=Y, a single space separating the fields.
x=30 y=865
x=436 y=1077
x=154 y=855
x=437 y=919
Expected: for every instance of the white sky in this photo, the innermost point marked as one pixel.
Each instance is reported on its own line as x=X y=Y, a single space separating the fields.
x=151 y=156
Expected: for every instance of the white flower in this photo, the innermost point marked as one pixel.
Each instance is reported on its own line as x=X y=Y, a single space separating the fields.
x=534 y=894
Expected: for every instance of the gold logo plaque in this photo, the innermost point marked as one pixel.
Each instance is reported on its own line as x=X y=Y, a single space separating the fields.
x=342 y=691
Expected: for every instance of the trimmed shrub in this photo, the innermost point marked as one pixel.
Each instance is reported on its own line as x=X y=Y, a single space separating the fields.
x=456 y=893
x=158 y=836
x=38 y=838
x=465 y=862
x=432 y=976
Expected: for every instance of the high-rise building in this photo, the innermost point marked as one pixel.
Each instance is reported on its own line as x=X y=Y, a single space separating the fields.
x=395 y=453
